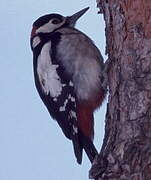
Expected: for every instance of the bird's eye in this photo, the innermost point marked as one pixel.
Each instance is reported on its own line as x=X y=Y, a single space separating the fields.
x=56 y=21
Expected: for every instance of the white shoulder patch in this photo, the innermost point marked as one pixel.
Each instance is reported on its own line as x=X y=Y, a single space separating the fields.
x=49 y=79
x=35 y=42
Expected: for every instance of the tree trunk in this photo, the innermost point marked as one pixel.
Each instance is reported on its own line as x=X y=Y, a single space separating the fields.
x=126 y=150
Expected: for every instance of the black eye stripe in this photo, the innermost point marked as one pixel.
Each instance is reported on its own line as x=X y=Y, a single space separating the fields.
x=56 y=21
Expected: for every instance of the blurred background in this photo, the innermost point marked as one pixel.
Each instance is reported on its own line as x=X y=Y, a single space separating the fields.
x=33 y=146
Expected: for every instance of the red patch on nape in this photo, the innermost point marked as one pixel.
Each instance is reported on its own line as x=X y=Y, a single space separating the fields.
x=33 y=32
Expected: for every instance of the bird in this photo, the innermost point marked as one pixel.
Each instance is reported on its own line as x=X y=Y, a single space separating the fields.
x=68 y=74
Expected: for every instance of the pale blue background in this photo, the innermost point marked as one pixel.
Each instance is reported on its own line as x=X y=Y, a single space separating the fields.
x=32 y=146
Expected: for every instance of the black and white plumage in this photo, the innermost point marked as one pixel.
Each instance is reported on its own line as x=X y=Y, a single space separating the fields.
x=68 y=69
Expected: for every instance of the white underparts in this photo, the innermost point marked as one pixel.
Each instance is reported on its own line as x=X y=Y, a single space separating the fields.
x=48 y=77
x=82 y=60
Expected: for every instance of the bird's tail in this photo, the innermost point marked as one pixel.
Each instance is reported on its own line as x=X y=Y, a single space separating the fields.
x=85 y=143
x=85 y=133
x=88 y=146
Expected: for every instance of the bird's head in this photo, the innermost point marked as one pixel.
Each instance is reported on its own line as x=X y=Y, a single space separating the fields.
x=51 y=22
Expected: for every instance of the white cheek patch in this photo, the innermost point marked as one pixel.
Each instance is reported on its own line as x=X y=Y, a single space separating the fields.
x=49 y=27
x=48 y=77
x=46 y=28
x=35 y=42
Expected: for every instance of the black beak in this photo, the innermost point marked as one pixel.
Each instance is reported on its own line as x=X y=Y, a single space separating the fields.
x=71 y=20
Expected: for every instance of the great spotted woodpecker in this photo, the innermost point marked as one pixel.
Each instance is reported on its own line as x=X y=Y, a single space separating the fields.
x=68 y=72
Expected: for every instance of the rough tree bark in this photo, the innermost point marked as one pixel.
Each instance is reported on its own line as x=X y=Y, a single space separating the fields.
x=126 y=150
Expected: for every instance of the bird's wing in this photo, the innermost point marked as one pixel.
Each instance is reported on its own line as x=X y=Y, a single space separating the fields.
x=56 y=90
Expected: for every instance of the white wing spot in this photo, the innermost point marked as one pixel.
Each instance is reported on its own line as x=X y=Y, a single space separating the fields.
x=35 y=42
x=71 y=83
x=49 y=79
x=63 y=108
x=75 y=129
x=73 y=114
x=53 y=84
x=55 y=99
x=71 y=98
